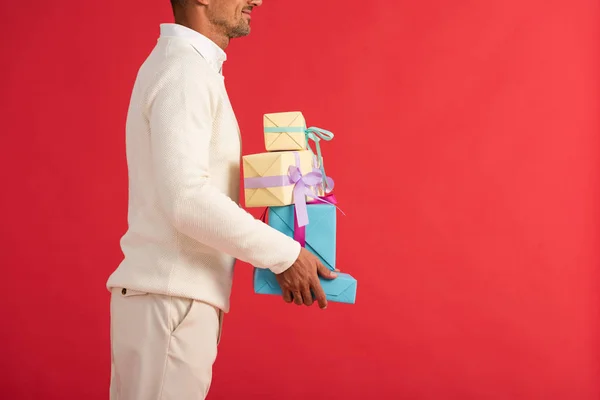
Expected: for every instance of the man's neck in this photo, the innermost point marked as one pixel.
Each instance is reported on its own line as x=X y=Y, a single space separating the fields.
x=206 y=29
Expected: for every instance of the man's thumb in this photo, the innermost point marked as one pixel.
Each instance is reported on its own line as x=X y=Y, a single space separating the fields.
x=325 y=272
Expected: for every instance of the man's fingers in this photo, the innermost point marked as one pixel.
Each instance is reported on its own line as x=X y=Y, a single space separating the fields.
x=287 y=296
x=307 y=296
x=324 y=272
x=320 y=296
x=298 y=297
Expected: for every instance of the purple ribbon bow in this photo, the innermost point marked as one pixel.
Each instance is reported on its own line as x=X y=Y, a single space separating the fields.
x=302 y=185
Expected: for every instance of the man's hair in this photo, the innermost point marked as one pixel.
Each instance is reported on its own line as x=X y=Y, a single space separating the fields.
x=175 y=3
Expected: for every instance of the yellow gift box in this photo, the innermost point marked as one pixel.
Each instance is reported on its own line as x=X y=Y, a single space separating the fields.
x=269 y=181
x=285 y=131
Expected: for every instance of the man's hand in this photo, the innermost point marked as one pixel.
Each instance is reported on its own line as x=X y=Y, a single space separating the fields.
x=301 y=280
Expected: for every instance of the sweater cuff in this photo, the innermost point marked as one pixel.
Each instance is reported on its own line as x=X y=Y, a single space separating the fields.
x=291 y=254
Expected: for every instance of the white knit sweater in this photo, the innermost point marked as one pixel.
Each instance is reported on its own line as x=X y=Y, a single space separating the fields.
x=183 y=154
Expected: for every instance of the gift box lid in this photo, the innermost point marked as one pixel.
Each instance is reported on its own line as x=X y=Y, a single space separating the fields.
x=282 y=121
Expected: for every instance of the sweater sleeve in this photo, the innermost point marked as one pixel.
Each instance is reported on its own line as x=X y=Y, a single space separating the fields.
x=181 y=113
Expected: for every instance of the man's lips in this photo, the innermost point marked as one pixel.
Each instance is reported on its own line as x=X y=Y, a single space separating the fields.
x=247 y=12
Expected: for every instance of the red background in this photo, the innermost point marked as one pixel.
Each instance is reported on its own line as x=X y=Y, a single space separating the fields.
x=466 y=159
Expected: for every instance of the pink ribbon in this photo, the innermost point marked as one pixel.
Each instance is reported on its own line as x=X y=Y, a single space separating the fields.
x=330 y=198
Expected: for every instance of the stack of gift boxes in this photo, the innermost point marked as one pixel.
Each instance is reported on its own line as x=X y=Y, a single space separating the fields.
x=289 y=180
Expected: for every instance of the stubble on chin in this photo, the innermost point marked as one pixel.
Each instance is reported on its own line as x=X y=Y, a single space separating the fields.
x=240 y=30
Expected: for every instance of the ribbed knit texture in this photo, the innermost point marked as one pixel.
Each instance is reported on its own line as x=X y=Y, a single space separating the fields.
x=183 y=154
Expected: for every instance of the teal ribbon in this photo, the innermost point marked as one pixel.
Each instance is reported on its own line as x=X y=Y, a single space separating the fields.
x=284 y=129
x=314 y=134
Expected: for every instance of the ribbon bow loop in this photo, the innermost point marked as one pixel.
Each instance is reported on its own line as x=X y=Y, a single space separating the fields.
x=313 y=178
x=302 y=189
x=318 y=134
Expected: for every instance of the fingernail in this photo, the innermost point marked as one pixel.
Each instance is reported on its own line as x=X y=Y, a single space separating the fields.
x=334 y=274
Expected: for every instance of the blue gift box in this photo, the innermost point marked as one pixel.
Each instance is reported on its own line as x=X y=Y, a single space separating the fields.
x=340 y=290
x=320 y=231
x=320 y=240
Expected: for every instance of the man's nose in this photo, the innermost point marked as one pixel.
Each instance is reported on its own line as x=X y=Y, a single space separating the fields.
x=256 y=3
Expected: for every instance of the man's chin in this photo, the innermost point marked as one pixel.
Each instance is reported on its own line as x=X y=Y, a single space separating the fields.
x=240 y=31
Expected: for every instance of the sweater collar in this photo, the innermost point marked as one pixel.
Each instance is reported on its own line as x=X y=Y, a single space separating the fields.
x=206 y=47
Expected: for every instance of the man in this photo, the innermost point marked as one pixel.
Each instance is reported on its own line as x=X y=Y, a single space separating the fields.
x=185 y=226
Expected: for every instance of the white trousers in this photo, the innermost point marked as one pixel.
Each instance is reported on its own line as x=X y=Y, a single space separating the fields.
x=162 y=347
